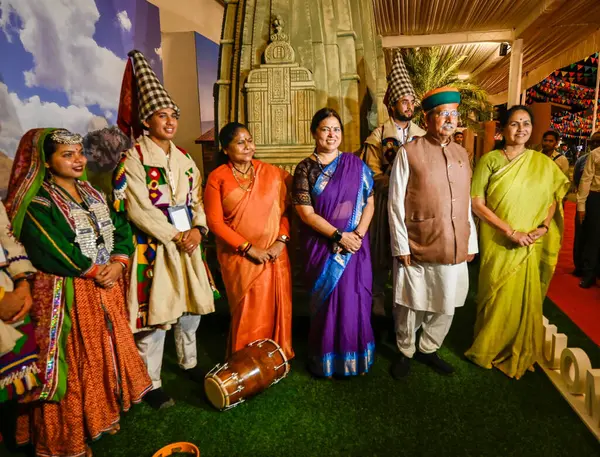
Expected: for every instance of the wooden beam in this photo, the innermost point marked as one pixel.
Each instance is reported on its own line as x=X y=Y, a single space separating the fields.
x=415 y=41
x=491 y=60
x=515 y=74
x=542 y=8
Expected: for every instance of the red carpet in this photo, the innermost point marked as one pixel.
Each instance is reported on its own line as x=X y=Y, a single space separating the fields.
x=581 y=305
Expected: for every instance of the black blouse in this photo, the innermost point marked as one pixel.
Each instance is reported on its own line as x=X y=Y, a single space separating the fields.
x=305 y=176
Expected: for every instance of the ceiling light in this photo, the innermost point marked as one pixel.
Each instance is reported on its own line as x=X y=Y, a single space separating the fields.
x=505 y=49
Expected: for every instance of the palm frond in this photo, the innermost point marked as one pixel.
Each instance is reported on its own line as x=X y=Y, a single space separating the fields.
x=430 y=69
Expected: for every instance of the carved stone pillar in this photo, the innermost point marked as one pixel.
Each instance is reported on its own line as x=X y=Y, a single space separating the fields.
x=280 y=104
x=338 y=62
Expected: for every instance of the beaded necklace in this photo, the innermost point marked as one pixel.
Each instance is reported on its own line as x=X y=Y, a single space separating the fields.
x=321 y=165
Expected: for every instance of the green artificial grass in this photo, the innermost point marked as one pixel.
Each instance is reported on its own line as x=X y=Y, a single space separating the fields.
x=476 y=412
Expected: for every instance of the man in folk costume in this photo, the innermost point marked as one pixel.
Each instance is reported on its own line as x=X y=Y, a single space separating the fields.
x=379 y=152
x=159 y=186
x=432 y=234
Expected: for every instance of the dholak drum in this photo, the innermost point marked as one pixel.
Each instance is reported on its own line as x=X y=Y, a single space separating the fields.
x=248 y=372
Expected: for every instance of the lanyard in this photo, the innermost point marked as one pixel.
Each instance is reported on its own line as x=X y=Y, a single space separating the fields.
x=171 y=179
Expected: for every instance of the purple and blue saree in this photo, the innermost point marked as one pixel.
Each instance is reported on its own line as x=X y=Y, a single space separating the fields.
x=341 y=339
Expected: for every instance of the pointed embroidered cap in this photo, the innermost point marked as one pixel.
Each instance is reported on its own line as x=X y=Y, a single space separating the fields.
x=399 y=83
x=152 y=96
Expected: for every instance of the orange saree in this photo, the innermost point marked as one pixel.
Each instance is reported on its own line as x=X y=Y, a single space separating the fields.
x=259 y=295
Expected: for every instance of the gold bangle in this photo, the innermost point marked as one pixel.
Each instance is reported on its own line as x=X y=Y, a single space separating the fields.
x=120 y=263
x=244 y=248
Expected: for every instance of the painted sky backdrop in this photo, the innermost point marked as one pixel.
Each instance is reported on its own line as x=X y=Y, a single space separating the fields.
x=62 y=64
x=207 y=58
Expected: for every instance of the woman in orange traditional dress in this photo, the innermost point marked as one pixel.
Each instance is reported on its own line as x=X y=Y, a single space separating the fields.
x=88 y=359
x=246 y=204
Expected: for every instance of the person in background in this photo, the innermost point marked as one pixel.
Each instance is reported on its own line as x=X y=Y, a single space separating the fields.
x=459 y=137
x=588 y=212
x=520 y=240
x=578 y=244
x=433 y=235
x=379 y=152
x=88 y=357
x=159 y=187
x=570 y=154
x=247 y=204
x=333 y=195
x=550 y=142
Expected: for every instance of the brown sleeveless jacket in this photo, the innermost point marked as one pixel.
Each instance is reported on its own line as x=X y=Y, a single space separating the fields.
x=437 y=201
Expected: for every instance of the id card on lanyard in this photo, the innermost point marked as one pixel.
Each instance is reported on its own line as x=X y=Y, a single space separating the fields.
x=179 y=215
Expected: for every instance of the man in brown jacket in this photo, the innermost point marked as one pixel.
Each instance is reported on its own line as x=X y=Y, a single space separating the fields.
x=432 y=234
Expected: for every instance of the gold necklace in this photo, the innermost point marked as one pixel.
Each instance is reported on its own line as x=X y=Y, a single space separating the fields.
x=509 y=159
x=244 y=174
x=248 y=188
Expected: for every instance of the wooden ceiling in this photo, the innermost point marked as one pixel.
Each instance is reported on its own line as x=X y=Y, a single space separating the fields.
x=547 y=27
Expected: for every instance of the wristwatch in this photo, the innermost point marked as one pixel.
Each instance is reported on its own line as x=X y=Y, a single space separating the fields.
x=283 y=238
x=337 y=236
x=203 y=230
x=28 y=277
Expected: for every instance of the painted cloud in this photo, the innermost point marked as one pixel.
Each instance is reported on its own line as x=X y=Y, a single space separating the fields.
x=124 y=21
x=63 y=60
x=17 y=116
x=59 y=35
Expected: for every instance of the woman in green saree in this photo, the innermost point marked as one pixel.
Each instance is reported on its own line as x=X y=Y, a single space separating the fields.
x=517 y=194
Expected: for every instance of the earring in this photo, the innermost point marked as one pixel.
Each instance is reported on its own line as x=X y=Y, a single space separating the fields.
x=50 y=176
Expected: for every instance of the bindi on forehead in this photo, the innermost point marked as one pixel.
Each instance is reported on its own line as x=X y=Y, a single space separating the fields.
x=521 y=116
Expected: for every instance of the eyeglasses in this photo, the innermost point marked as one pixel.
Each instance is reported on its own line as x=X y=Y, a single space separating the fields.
x=330 y=129
x=446 y=113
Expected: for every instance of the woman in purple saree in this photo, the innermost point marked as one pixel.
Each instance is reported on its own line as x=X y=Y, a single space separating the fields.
x=333 y=195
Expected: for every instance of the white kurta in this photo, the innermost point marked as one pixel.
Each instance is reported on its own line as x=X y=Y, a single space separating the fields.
x=427 y=287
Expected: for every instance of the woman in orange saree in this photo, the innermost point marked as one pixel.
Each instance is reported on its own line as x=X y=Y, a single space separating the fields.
x=246 y=204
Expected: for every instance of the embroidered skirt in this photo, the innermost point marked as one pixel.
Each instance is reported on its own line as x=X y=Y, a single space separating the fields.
x=105 y=376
